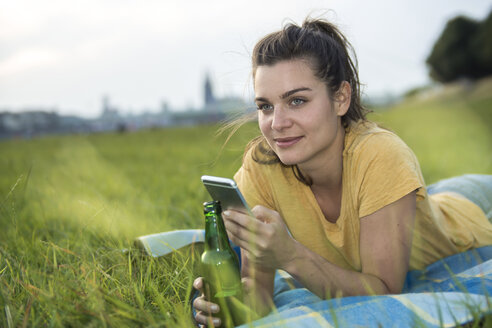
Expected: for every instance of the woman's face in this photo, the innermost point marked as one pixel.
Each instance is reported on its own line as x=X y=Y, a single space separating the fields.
x=295 y=113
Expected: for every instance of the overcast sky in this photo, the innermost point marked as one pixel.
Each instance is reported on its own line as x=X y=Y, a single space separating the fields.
x=67 y=54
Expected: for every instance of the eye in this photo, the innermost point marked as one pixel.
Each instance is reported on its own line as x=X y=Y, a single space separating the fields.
x=297 y=101
x=264 y=107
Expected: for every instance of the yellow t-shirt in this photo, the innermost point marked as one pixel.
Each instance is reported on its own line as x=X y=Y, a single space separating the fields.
x=378 y=169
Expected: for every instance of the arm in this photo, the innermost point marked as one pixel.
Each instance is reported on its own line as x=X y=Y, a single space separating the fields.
x=385 y=243
x=258 y=286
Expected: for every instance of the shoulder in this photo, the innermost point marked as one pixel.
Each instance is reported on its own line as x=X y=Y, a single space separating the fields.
x=381 y=167
x=366 y=141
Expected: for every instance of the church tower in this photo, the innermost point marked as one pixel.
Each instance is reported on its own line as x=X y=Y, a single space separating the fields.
x=209 y=93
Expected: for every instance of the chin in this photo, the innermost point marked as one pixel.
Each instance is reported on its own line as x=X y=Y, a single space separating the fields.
x=288 y=160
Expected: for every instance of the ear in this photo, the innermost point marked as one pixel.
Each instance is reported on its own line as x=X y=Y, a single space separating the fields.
x=342 y=99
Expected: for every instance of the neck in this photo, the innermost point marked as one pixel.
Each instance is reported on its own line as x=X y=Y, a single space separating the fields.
x=215 y=233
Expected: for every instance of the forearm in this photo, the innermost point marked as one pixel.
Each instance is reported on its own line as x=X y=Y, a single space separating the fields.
x=328 y=280
x=259 y=294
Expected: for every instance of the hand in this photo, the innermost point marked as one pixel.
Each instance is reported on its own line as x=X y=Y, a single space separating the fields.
x=264 y=238
x=204 y=309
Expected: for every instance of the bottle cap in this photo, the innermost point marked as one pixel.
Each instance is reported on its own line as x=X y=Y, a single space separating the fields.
x=212 y=206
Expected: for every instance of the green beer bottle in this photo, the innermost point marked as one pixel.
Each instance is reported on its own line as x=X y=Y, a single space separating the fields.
x=220 y=267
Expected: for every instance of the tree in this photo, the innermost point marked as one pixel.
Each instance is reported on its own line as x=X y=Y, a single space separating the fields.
x=481 y=46
x=452 y=56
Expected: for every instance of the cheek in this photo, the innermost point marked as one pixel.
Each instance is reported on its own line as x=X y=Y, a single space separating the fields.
x=264 y=124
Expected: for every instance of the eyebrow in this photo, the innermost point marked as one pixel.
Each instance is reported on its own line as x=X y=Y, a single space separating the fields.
x=286 y=94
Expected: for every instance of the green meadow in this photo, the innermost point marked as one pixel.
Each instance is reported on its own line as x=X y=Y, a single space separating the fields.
x=69 y=205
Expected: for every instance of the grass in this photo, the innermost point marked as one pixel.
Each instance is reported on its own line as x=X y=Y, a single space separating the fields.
x=69 y=205
x=451 y=133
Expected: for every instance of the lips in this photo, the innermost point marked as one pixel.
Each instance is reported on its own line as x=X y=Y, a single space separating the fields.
x=287 y=141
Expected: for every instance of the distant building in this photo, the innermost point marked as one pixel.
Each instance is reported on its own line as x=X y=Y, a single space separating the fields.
x=209 y=93
x=36 y=122
x=220 y=106
x=110 y=119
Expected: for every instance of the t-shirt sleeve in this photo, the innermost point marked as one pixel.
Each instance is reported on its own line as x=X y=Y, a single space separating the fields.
x=253 y=184
x=386 y=170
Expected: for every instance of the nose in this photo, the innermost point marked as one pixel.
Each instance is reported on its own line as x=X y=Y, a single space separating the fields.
x=281 y=119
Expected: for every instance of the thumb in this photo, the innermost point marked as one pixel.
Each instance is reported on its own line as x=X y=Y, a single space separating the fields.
x=198 y=284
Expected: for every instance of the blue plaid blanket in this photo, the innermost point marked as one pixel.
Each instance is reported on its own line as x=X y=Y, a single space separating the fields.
x=448 y=293
x=451 y=292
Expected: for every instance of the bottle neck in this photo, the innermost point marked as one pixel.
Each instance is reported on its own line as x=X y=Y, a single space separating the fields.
x=215 y=232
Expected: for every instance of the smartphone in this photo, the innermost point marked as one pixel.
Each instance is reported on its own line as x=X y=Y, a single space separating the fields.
x=227 y=192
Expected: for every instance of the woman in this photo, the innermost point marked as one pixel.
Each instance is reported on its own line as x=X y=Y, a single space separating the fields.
x=339 y=203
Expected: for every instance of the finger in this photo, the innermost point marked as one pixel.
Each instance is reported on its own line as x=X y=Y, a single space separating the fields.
x=246 y=221
x=198 y=283
x=207 y=320
x=241 y=237
x=201 y=304
x=236 y=231
x=264 y=214
x=243 y=244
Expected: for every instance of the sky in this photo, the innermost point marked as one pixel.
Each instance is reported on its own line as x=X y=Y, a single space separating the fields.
x=66 y=55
